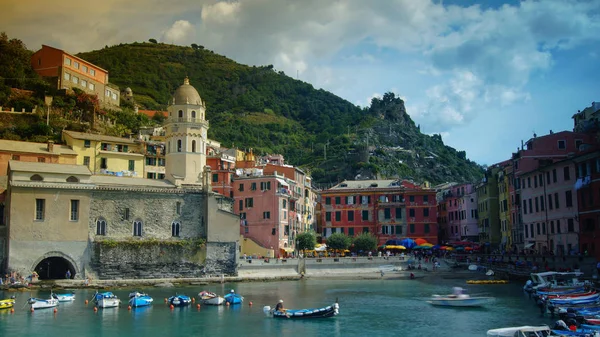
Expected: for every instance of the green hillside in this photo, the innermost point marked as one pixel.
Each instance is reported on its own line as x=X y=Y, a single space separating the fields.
x=260 y=108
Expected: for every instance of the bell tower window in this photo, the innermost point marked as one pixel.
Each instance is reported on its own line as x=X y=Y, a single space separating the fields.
x=180 y=113
x=193 y=114
x=193 y=146
x=179 y=145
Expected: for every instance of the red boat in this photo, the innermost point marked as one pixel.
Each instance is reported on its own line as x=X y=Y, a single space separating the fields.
x=574 y=295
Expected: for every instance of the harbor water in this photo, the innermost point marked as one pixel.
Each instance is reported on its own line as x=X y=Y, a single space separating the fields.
x=384 y=307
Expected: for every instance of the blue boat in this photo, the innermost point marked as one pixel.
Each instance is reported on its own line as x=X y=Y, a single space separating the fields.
x=137 y=299
x=325 y=312
x=179 y=300
x=233 y=298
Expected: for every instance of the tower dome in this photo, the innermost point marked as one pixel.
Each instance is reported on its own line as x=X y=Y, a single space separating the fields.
x=186 y=94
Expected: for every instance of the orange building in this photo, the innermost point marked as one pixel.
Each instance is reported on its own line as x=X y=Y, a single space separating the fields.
x=70 y=71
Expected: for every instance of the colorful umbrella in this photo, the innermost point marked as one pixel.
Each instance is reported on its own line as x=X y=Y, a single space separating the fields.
x=426 y=244
x=408 y=243
x=436 y=247
x=420 y=241
x=422 y=247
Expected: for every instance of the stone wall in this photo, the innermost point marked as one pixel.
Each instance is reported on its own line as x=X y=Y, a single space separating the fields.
x=221 y=258
x=157 y=211
x=147 y=260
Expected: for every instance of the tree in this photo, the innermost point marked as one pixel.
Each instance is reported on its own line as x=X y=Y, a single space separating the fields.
x=306 y=240
x=153 y=41
x=159 y=117
x=338 y=241
x=194 y=46
x=365 y=242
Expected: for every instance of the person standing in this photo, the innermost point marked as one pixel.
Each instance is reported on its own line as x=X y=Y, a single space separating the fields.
x=68 y=274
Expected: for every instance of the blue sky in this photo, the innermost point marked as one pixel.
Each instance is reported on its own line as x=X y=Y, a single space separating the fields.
x=483 y=74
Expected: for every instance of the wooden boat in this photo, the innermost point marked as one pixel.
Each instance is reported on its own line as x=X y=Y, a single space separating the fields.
x=137 y=299
x=325 y=312
x=209 y=298
x=458 y=299
x=106 y=300
x=8 y=303
x=37 y=303
x=64 y=297
x=520 y=331
x=179 y=300
x=233 y=298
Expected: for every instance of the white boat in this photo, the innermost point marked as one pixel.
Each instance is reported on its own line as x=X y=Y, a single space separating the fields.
x=555 y=280
x=64 y=297
x=106 y=300
x=37 y=303
x=521 y=331
x=211 y=298
x=459 y=299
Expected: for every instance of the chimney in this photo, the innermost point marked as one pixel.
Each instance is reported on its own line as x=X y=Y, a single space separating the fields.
x=51 y=146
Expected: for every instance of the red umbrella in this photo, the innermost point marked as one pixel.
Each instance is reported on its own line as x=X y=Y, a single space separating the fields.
x=420 y=241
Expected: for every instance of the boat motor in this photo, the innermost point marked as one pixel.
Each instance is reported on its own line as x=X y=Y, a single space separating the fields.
x=560 y=325
x=267 y=310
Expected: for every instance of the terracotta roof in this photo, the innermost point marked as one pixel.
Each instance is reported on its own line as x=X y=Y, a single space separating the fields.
x=23 y=166
x=29 y=147
x=151 y=113
x=131 y=182
x=96 y=137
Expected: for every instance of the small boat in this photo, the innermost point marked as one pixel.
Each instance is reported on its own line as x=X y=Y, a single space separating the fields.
x=325 y=312
x=554 y=280
x=459 y=299
x=520 y=331
x=210 y=298
x=64 y=297
x=233 y=298
x=7 y=303
x=137 y=299
x=179 y=300
x=37 y=303
x=106 y=300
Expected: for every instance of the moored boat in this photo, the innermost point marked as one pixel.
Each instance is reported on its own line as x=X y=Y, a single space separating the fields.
x=233 y=298
x=325 y=312
x=106 y=300
x=137 y=299
x=38 y=303
x=7 y=303
x=459 y=299
x=179 y=300
x=64 y=297
x=520 y=331
x=210 y=298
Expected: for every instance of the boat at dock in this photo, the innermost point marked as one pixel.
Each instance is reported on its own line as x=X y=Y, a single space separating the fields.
x=179 y=300
x=325 y=312
x=233 y=298
x=64 y=297
x=137 y=299
x=7 y=303
x=521 y=331
x=207 y=297
x=106 y=300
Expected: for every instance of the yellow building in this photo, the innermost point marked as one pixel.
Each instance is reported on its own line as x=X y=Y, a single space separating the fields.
x=504 y=207
x=106 y=154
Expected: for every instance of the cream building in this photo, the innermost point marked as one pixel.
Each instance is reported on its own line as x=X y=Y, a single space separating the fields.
x=63 y=217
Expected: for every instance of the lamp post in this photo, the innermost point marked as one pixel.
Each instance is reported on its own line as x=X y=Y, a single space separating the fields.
x=297 y=248
x=48 y=101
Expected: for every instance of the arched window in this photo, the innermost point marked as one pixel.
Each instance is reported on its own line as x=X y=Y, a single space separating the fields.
x=72 y=179
x=36 y=177
x=137 y=228
x=180 y=113
x=193 y=146
x=100 y=226
x=179 y=145
x=175 y=227
x=193 y=114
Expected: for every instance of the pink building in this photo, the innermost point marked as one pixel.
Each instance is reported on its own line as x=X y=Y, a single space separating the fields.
x=461 y=205
x=265 y=205
x=549 y=208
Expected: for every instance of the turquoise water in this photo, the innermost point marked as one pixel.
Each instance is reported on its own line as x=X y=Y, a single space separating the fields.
x=367 y=307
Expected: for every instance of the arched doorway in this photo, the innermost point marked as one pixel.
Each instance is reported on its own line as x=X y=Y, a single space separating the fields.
x=55 y=267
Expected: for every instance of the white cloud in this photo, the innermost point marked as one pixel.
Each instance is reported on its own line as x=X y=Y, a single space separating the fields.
x=179 y=33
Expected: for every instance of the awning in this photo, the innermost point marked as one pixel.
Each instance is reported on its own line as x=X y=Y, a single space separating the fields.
x=282 y=182
x=529 y=245
x=288 y=250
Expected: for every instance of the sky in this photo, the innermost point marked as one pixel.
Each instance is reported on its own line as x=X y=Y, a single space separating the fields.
x=483 y=74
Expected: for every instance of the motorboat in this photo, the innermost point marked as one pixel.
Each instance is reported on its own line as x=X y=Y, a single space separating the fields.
x=106 y=300
x=233 y=298
x=210 y=298
x=459 y=299
x=7 y=303
x=325 y=312
x=38 y=303
x=64 y=297
x=137 y=299
x=521 y=331
x=554 y=280
x=179 y=300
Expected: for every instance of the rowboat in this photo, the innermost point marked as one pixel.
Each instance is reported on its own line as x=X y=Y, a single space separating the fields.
x=325 y=312
x=233 y=298
x=64 y=297
x=37 y=303
x=137 y=299
x=179 y=300
x=8 y=303
x=106 y=300
x=210 y=298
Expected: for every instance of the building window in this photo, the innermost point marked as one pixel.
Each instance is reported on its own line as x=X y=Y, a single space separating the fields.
x=87 y=143
x=132 y=165
x=175 y=227
x=100 y=227
x=412 y=228
x=241 y=189
x=92 y=72
x=75 y=79
x=137 y=228
x=126 y=214
x=338 y=200
x=92 y=86
x=16 y=157
x=569 y=198
x=178 y=208
x=398 y=213
x=107 y=93
x=86 y=161
x=193 y=114
x=180 y=113
x=328 y=201
x=387 y=213
x=193 y=146
x=67 y=76
x=39 y=209
x=72 y=179
x=570 y=225
x=425 y=212
x=411 y=212
x=365 y=229
x=241 y=205
x=103 y=163
x=36 y=177
x=266 y=215
x=179 y=145
x=76 y=65
x=215 y=177
x=426 y=228
x=567 y=173
x=426 y=197
x=411 y=198
x=249 y=202
x=253 y=186
x=74 y=210
x=327 y=216
x=556 y=204
x=365 y=215
x=562 y=144
x=350 y=215
x=351 y=231
x=84 y=83
x=67 y=61
x=338 y=216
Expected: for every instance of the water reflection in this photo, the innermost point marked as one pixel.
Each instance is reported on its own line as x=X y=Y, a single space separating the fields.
x=140 y=313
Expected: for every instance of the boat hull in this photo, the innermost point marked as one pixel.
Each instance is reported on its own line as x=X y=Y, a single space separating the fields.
x=6 y=304
x=140 y=302
x=460 y=302
x=218 y=300
x=108 y=303
x=325 y=312
x=233 y=298
x=64 y=297
x=179 y=301
x=36 y=303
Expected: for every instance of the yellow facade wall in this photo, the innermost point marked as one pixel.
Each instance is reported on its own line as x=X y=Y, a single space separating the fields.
x=251 y=248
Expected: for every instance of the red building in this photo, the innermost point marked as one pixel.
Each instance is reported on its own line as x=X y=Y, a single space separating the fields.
x=387 y=208
x=222 y=164
x=587 y=185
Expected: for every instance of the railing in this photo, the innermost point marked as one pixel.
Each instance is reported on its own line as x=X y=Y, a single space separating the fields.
x=187 y=120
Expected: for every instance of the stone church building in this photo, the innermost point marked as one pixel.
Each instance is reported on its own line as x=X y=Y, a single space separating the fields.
x=61 y=217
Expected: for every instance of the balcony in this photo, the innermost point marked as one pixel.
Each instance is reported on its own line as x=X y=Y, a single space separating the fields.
x=187 y=120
